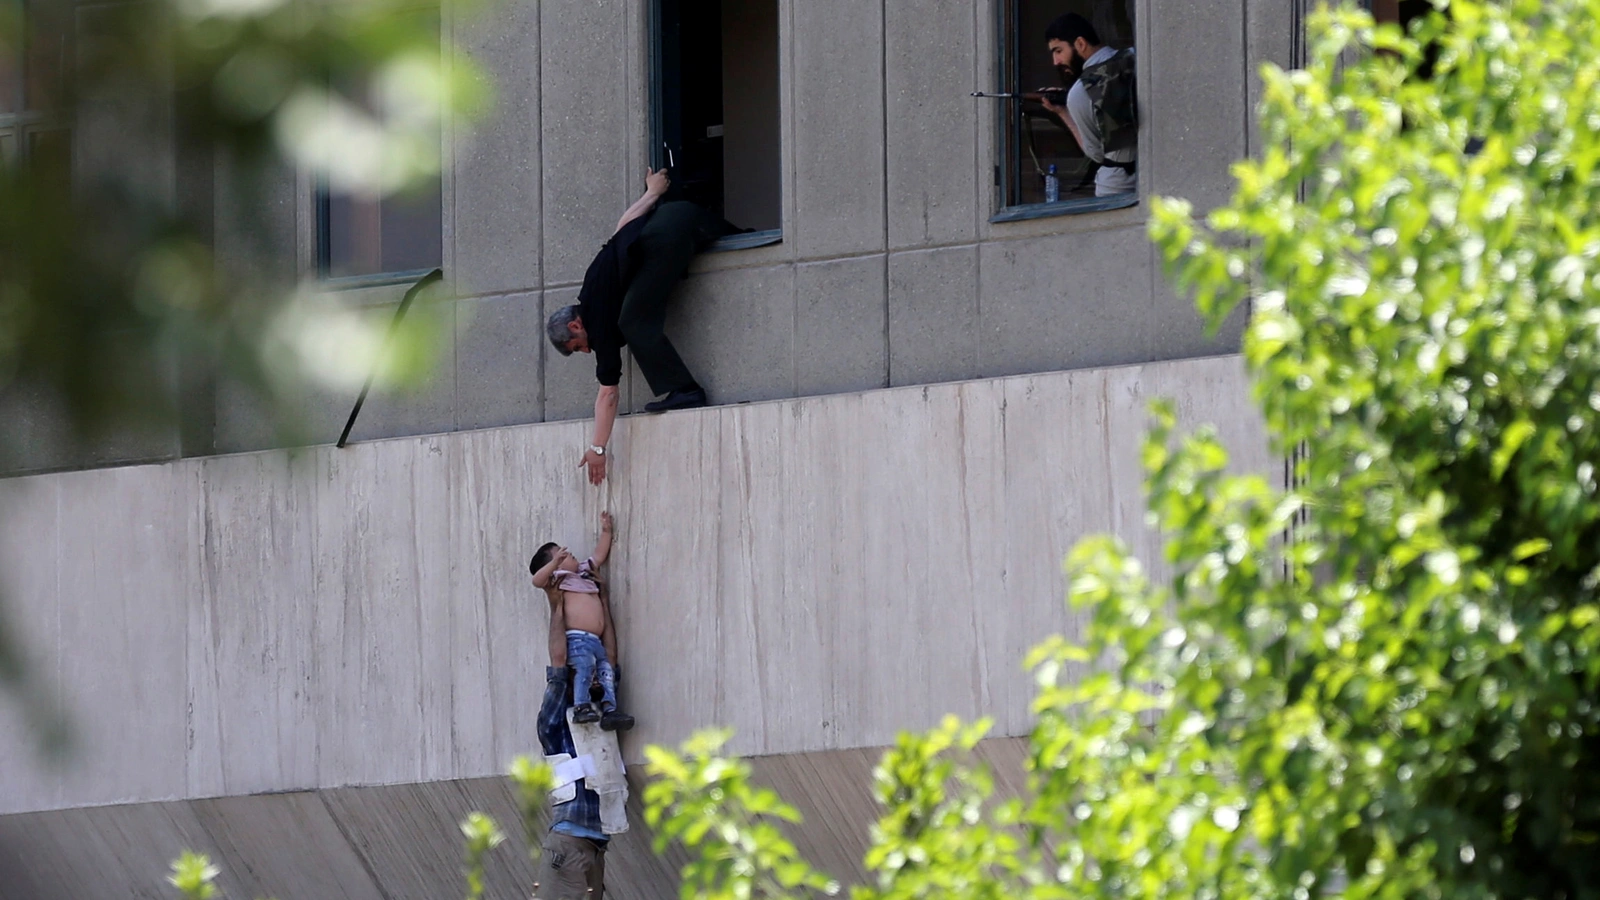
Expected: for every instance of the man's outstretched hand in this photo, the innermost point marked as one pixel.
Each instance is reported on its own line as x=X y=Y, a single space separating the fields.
x=597 y=466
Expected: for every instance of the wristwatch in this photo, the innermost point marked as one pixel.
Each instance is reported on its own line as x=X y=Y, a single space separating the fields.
x=597 y=449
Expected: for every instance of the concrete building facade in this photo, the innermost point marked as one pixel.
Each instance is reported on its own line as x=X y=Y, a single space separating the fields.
x=889 y=271
x=309 y=662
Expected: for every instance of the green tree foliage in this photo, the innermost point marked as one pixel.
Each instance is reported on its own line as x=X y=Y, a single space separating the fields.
x=482 y=835
x=1381 y=681
x=193 y=874
x=108 y=284
x=97 y=263
x=708 y=802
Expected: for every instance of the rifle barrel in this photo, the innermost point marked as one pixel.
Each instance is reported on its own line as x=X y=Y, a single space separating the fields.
x=1028 y=95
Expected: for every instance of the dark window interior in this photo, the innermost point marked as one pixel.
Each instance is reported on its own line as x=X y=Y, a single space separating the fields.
x=717 y=106
x=1404 y=13
x=1034 y=139
x=399 y=234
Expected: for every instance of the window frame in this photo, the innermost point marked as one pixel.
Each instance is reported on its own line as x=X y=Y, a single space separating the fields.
x=1006 y=17
x=656 y=123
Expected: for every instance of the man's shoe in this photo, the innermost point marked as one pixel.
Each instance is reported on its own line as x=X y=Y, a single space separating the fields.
x=613 y=720
x=585 y=714
x=692 y=398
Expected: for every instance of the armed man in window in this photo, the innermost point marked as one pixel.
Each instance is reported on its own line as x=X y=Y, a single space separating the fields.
x=1101 y=110
x=624 y=302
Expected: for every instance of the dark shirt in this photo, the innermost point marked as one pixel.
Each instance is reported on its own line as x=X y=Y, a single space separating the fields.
x=600 y=300
x=580 y=816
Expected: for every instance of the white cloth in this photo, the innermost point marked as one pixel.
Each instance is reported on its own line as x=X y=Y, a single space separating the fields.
x=566 y=772
x=1110 y=179
x=603 y=772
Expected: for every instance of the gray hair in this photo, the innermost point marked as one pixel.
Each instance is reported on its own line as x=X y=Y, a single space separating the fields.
x=556 y=328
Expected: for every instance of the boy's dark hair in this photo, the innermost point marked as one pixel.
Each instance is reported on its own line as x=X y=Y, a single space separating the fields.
x=1069 y=27
x=541 y=557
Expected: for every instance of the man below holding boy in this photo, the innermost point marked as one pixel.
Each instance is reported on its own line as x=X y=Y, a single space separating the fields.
x=572 y=865
x=573 y=862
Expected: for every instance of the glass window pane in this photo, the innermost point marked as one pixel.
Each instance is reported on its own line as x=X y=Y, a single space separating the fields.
x=752 y=133
x=10 y=56
x=45 y=55
x=50 y=157
x=411 y=229
x=10 y=78
x=395 y=234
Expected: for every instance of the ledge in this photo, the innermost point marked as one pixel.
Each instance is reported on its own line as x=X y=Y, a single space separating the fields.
x=749 y=240
x=1065 y=208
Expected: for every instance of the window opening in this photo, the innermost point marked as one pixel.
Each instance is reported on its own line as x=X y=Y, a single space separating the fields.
x=1035 y=140
x=1405 y=13
x=34 y=54
x=716 y=107
x=1400 y=12
x=397 y=235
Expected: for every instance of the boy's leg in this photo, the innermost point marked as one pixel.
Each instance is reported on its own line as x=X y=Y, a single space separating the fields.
x=581 y=657
x=610 y=718
x=607 y=676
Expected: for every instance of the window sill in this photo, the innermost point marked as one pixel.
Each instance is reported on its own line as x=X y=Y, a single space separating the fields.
x=747 y=241
x=383 y=279
x=1066 y=208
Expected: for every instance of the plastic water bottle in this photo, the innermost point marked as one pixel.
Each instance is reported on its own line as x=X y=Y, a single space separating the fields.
x=1052 y=186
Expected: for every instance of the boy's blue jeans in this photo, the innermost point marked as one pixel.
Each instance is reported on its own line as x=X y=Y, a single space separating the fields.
x=587 y=657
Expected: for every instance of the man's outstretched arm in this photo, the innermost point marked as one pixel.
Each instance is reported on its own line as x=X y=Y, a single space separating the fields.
x=605 y=417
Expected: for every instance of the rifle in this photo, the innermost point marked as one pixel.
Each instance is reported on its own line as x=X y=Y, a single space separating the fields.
x=1057 y=96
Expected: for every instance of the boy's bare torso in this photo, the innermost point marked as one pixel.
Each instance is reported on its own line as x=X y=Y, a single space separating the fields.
x=583 y=612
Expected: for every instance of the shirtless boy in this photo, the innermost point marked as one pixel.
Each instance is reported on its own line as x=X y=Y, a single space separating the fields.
x=578 y=592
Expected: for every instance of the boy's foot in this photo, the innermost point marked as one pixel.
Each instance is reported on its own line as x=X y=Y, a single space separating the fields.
x=585 y=714
x=691 y=398
x=613 y=720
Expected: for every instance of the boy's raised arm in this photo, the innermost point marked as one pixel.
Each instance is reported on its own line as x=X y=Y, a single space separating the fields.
x=602 y=550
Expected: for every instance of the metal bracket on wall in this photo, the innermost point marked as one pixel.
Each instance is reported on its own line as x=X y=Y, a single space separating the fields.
x=433 y=277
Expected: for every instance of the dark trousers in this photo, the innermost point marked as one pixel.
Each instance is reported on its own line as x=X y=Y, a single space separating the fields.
x=660 y=257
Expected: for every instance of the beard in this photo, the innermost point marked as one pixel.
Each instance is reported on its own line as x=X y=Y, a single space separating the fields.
x=1069 y=73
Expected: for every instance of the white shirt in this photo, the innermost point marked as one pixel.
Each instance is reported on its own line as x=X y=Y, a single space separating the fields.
x=1109 y=180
